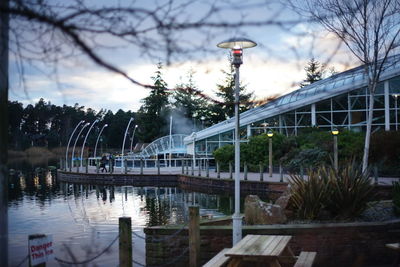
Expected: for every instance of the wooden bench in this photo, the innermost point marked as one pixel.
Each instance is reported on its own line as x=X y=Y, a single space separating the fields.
x=305 y=259
x=219 y=260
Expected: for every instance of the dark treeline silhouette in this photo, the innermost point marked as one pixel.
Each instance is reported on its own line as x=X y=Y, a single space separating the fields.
x=48 y=125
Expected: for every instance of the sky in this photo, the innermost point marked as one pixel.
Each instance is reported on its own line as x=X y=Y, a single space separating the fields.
x=274 y=67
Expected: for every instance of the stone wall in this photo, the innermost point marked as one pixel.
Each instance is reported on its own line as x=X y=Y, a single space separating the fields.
x=337 y=244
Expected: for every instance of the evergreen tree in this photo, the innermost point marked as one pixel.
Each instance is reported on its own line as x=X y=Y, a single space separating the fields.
x=153 y=113
x=188 y=103
x=314 y=72
x=226 y=92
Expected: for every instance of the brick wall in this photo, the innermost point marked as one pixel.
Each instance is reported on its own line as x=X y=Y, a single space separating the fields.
x=341 y=244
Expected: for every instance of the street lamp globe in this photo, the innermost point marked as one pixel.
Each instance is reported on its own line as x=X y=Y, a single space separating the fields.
x=335 y=131
x=270 y=133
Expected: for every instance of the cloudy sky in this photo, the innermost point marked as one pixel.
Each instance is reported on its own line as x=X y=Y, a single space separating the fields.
x=274 y=67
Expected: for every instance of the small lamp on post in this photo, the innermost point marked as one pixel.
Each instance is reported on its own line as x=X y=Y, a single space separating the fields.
x=270 y=134
x=335 y=133
x=236 y=45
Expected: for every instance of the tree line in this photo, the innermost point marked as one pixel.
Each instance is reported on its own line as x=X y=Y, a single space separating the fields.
x=48 y=125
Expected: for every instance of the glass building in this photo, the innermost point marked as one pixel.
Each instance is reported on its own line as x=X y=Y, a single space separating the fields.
x=340 y=101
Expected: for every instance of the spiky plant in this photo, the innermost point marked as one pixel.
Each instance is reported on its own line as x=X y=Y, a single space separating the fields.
x=308 y=196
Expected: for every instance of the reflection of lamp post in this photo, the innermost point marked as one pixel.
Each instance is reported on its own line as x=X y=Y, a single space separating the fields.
x=335 y=133
x=395 y=108
x=237 y=45
x=133 y=136
x=84 y=141
x=123 y=145
x=98 y=137
x=270 y=134
x=76 y=141
x=69 y=141
x=194 y=149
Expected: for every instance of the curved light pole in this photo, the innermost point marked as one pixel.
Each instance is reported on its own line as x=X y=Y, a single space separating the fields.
x=123 y=145
x=98 y=137
x=76 y=141
x=69 y=141
x=84 y=141
x=237 y=45
x=133 y=135
x=270 y=134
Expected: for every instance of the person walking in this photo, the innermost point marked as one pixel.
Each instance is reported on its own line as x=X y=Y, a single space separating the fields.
x=103 y=163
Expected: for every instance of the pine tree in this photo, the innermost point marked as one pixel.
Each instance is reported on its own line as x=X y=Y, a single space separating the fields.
x=314 y=72
x=154 y=111
x=226 y=92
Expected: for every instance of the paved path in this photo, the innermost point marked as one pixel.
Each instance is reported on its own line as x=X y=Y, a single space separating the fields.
x=251 y=176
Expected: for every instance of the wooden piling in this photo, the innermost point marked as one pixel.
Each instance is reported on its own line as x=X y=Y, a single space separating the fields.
x=207 y=169
x=97 y=166
x=183 y=166
x=245 y=171
x=192 y=168
x=87 y=166
x=126 y=166
x=125 y=242
x=200 y=169
x=230 y=170
x=261 y=172
x=194 y=236
x=218 y=170
x=141 y=166
x=158 y=166
x=280 y=173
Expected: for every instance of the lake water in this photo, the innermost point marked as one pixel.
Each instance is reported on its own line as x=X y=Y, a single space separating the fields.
x=83 y=219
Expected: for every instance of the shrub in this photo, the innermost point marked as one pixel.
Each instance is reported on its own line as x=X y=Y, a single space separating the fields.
x=340 y=195
x=308 y=158
x=351 y=190
x=308 y=197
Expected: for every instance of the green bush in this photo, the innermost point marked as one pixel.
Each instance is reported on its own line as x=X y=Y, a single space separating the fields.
x=328 y=193
x=308 y=158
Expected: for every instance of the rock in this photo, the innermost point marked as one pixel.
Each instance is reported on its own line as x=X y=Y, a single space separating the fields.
x=283 y=201
x=257 y=211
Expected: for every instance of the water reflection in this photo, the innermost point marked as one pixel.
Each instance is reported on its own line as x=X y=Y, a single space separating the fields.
x=83 y=219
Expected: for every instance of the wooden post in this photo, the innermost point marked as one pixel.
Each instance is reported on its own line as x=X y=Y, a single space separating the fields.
x=194 y=236
x=126 y=166
x=280 y=173
x=125 y=242
x=141 y=166
x=97 y=166
x=158 y=166
x=230 y=170
x=183 y=166
x=376 y=174
x=261 y=172
x=200 y=169
x=187 y=167
x=207 y=169
x=192 y=169
x=111 y=165
x=87 y=166
x=70 y=167
x=245 y=171
x=218 y=170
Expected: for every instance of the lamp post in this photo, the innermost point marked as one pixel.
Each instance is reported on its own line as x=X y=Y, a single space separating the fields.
x=237 y=45
x=123 y=145
x=270 y=134
x=395 y=109
x=335 y=133
x=69 y=141
x=98 y=137
x=84 y=141
x=133 y=136
x=76 y=141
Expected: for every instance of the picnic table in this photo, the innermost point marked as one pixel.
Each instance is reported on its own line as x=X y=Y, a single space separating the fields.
x=266 y=249
x=395 y=247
